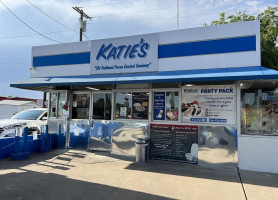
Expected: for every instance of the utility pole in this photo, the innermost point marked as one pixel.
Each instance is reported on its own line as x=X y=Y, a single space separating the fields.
x=82 y=23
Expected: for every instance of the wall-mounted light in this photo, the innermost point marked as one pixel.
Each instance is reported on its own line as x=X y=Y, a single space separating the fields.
x=189 y=85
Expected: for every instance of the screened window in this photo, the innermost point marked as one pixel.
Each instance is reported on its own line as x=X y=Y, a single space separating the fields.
x=53 y=104
x=58 y=107
x=132 y=105
x=172 y=106
x=259 y=112
x=61 y=104
x=102 y=106
x=80 y=106
x=123 y=106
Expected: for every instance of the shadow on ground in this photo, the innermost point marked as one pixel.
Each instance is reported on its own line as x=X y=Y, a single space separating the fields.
x=35 y=185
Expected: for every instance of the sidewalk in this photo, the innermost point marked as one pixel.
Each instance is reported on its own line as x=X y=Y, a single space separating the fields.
x=73 y=174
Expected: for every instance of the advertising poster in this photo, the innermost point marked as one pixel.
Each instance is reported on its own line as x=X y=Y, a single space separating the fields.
x=123 y=112
x=159 y=106
x=213 y=104
x=174 y=142
x=140 y=106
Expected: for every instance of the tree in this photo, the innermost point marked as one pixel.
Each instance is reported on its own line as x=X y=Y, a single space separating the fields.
x=269 y=32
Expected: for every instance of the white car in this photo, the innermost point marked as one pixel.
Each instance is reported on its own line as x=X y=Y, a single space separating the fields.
x=32 y=118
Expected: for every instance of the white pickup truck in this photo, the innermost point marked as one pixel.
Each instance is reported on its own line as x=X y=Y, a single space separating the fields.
x=33 y=119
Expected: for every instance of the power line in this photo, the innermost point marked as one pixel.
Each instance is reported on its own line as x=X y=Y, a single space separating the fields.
x=121 y=2
x=28 y=25
x=30 y=35
x=49 y=16
x=145 y=10
x=157 y=19
x=53 y=18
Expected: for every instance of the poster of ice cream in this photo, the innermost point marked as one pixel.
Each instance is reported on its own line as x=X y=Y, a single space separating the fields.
x=212 y=104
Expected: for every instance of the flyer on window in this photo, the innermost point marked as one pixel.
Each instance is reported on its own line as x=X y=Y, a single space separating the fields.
x=159 y=106
x=211 y=104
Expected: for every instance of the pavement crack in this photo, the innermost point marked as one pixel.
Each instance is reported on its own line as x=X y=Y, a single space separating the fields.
x=241 y=183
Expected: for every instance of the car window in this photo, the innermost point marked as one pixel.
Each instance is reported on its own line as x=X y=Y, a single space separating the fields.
x=28 y=114
x=45 y=115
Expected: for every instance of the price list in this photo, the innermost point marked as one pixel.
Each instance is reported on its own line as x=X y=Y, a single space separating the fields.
x=172 y=142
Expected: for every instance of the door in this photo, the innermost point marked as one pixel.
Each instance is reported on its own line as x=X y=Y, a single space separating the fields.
x=101 y=131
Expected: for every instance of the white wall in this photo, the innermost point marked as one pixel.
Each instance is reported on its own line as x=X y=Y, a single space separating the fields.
x=7 y=111
x=258 y=153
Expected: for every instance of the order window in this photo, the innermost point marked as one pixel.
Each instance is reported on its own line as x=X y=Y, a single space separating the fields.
x=132 y=105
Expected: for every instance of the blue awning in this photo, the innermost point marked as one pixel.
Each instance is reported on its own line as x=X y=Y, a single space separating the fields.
x=223 y=74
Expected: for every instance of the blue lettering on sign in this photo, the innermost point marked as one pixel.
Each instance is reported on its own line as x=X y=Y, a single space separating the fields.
x=224 y=90
x=126 y=51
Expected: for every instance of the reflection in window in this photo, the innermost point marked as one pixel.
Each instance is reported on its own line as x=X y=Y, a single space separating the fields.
x=102 y=106
x=61 y=104
x=123 y=106
x=259 y=113
x=172 y=106
x=80 y=106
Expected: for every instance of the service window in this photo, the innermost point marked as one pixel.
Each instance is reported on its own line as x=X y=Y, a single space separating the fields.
x=61 y=104
x=166 y=106
x=58 y=105
x=259 y=109
x=53 y=104
x=132 y=105
x=140 y=105
x=172 y=106
x=80 y=106
x=102 y=106
x=123 y=105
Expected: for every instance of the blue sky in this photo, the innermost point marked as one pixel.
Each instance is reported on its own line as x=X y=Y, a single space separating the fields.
x=112 y=18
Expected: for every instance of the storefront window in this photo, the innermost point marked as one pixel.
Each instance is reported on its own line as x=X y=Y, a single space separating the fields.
x=61 y=105
x=80 y=106
x=140 y=105
x=53 y=104
x=102 y=106
x=259 y=113
x=132 y=105
x=172 y=104
x=166 y=106
x=123 y=106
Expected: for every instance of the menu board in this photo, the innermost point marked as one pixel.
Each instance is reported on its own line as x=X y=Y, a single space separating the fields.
x=159 y=105
x=174 y=142
x=140 y=105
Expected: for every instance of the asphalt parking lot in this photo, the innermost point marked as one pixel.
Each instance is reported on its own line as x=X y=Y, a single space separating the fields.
x=74 y=174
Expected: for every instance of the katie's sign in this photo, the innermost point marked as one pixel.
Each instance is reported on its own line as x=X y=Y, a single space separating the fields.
x=124 y=55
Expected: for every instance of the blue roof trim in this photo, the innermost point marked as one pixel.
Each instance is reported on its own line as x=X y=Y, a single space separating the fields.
x=226 y=74
x=63 y=59
x=226 y=45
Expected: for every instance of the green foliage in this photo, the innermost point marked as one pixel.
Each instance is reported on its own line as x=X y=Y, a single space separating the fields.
x=269 y=32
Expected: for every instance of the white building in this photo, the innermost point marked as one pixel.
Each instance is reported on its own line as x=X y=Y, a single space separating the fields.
x=200 y=94
x=8 y=108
